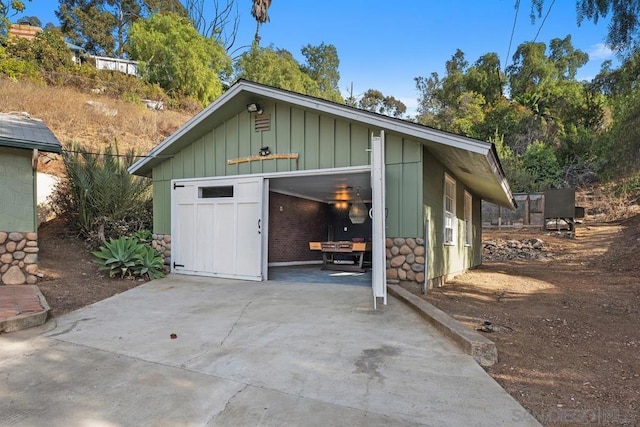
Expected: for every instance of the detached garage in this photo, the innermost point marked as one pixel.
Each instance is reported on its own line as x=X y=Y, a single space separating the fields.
x=265 y=177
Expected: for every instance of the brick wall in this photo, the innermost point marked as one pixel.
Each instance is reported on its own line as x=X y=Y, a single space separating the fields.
x=293 y=223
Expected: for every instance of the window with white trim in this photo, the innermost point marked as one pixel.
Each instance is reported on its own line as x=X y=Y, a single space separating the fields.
x=449 y=210
x=468 y=219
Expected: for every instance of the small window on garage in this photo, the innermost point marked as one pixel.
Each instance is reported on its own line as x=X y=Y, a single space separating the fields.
x=215 y=192
x=449 y=209
x=468 y=219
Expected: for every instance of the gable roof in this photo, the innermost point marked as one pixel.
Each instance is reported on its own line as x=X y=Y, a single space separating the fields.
x=20 y=131
x=474 y=162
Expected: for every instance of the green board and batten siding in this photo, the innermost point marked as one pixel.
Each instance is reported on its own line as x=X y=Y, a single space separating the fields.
x=322 y=142
x=17 y=190
x=457 y=257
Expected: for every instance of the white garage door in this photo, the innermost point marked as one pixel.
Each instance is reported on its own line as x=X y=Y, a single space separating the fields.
x=217 y=227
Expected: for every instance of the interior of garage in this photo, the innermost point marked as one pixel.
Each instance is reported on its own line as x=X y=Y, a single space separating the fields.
x=304 y=209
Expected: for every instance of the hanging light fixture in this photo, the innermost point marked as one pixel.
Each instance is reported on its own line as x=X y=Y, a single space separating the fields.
x=358 y=211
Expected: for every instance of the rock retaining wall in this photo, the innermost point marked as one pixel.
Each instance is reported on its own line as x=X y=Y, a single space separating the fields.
x=405 y=259
x=18 y=258
x=162 y=244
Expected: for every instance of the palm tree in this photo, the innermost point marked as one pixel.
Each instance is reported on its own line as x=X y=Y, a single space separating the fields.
x=259 y=11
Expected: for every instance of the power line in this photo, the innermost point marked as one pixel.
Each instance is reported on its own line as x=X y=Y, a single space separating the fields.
x=513 y=30
x=543 y=20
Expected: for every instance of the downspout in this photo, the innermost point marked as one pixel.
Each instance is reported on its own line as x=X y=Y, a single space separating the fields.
x=425 y=284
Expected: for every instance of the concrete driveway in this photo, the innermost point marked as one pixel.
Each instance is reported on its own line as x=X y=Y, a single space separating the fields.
x=245 y=353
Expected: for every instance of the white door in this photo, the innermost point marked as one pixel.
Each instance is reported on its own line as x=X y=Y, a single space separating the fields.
x=378 y=211
x=217 y=227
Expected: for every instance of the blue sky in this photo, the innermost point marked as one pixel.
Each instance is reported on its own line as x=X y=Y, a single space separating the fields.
x=384 y=45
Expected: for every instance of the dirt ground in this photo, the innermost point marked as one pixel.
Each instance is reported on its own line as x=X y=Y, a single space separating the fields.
x=71 y=280
x=567 y=327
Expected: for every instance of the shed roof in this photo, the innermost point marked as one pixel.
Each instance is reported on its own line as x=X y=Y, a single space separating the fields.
x=474 y=162
x=20 y=131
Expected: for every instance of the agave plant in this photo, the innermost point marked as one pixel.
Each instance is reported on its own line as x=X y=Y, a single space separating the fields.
x=119 y=256
x=149 y=262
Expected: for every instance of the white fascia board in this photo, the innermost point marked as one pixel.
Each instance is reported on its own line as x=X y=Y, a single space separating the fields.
x=502 y=179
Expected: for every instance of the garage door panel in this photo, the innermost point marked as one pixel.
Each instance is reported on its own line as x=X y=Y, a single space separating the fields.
x=249 y=242
x=185 y=234
x=225 y=239
x=205 y=220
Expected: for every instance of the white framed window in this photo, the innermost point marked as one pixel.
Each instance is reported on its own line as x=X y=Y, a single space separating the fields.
x=449 y=210
x=468 y=219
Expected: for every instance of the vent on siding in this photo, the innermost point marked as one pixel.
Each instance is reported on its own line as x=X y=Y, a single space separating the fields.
x=262 y=122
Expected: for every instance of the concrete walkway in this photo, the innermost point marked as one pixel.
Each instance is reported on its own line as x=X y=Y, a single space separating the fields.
x=196 y=351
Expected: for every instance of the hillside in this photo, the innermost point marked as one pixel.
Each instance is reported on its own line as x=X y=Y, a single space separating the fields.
x=92 y=120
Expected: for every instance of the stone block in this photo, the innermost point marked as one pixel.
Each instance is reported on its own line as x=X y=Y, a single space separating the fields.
x=398 y=241
x=11 y=246
x=4 y=268
x=420 y=277
x=167 y=238
x=32 y=268
x=14 y=276
x=387 y=242
x=420 y=260
x=405 y=250
x=6 y=258
x=32 y=244
x=417 y=268
x=419 y=241
x=397 y=261
x=21 y=265
x=392 y=273
x=31 y=250
x=21 y=244
x=388 y=253
x=16 y=237
x=31 y=259
x=3 y=237
x=411 y=243
x=411 y=258
x=32 y=236
x=18 y=255
x=31 y=279
x=2 y=249
x=418 y=251
x=406 y=266
x=411 y=275
x=402 y=275
x=395 y=250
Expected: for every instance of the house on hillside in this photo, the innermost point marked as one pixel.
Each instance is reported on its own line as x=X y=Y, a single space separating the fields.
x=264 y=178
x=21 y=139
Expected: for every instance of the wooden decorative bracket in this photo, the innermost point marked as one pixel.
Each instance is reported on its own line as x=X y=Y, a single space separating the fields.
x=292 y=156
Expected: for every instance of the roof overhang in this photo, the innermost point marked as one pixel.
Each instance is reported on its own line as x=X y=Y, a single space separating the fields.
x=18 y=131
x=474 y=162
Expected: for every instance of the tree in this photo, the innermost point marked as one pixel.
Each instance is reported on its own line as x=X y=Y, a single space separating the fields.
x=102 y=27
x=8 y=9
x=374 y=100
x=322 y=66
x=275 y=67
x=215 y=19
x=179 y=59
x=260 y=11
x=624 y=30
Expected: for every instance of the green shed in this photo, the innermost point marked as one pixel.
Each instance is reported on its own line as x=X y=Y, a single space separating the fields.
x=21 y=139
x=265 y=177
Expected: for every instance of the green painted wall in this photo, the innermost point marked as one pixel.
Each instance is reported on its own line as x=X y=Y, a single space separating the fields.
x=321 y=141
x=17 y=190
x=445 y=259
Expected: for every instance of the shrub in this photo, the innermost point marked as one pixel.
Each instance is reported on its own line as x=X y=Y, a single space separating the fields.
x=128 y=257
x=99 y=196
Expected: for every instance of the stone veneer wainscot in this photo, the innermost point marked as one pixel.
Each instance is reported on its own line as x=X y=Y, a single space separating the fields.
x=18 y=258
